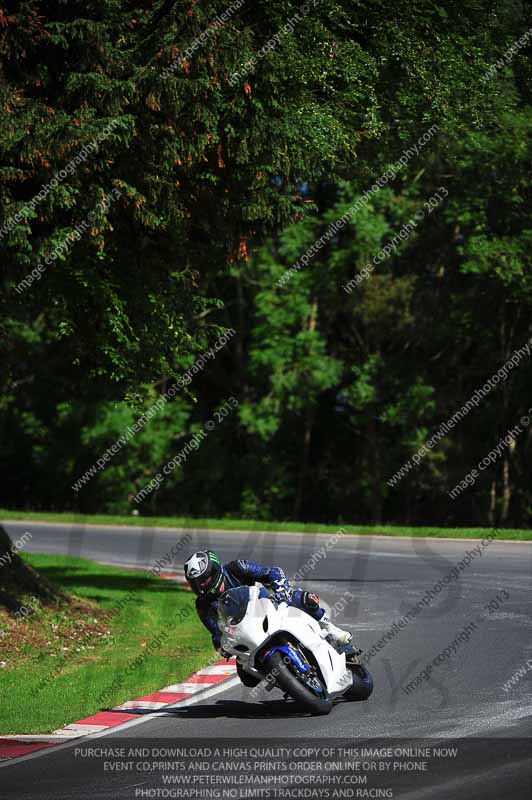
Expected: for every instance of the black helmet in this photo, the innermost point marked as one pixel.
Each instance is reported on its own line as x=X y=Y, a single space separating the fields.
x=203 y=571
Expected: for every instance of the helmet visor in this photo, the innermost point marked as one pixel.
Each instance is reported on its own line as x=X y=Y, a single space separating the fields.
x=210 y=584
x=205 y=585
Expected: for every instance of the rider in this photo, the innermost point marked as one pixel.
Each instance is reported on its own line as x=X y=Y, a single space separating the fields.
x=209 y=579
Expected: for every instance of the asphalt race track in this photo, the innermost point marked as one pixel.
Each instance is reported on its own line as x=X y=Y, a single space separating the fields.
x=370 y=582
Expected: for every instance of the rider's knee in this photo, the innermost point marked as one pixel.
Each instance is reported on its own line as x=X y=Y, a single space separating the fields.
x=310 y=601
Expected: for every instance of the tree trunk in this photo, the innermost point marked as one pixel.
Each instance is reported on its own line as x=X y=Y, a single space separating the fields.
x=305 y=459
x=310 y=416
x=376 y=482
x=18 y=578
x=507 y=337
x=493 y=504
x=506 y=485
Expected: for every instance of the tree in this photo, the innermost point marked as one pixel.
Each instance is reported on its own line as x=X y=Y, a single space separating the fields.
x=18 y=578
x=194 y=141
x=211 y=162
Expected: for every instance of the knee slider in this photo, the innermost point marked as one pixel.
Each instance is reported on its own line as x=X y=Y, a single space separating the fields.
x=310 y=601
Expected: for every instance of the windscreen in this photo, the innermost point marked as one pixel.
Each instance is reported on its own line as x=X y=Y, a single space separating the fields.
x=233 y=605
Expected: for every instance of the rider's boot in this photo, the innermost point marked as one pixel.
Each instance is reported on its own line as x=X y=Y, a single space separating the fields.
x=340 y=636
x=311 y=603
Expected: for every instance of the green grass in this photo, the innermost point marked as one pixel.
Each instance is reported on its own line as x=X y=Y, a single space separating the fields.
x=259 y=525
x=34 y=699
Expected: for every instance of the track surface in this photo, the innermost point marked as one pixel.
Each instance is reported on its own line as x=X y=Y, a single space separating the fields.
x=376 y=580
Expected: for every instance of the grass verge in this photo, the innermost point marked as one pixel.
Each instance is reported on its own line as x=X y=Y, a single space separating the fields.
x=261 y=525
x=124 y=634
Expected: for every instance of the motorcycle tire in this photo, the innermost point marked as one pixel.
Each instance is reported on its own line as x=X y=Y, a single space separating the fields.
x=289 y=683
x=362 y=684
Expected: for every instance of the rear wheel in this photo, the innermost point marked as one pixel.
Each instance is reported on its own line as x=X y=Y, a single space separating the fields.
x=313 y=696
x=362 y=683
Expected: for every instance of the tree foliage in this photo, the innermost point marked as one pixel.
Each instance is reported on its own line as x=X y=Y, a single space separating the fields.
x=212 y=163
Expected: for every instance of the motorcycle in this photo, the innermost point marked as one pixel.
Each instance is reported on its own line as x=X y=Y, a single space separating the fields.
x=287 y=648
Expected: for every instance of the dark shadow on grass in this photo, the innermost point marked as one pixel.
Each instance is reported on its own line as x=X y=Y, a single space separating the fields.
x=67 y=577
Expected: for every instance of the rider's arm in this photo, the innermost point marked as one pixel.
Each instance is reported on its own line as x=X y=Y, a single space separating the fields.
x=250 y=571
x=274 y=578
x=210 y=620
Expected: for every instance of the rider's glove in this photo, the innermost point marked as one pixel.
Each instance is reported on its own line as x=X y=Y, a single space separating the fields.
x=225 y=654
x=282 y=589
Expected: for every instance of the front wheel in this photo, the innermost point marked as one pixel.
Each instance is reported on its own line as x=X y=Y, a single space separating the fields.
x=362 y=683
x=314 y=698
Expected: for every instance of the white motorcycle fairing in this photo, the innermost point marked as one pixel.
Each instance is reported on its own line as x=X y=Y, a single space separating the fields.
x=265 y=620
